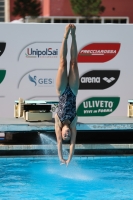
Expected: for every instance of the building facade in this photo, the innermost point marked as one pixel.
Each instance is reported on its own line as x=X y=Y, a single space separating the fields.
x=60 y=11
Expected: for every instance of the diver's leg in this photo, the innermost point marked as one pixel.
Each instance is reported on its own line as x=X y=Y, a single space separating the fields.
x=73 y=72
x=62 y=79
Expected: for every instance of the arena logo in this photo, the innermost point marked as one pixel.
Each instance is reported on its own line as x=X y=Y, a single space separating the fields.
x=35 y=53
x=98 y=106
x=2 y=75
x=98 y=79
x=41 y=82
x=2 y=47
x=98 y=52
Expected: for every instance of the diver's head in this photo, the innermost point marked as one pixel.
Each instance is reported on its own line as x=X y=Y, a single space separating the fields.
x=66 y=133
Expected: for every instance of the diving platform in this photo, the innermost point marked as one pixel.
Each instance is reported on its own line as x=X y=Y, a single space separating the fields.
x=37 y=116
x=83 y=124
x=9 y=147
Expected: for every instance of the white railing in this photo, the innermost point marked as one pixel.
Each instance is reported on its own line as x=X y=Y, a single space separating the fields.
x=2 y=11
x=72 y=19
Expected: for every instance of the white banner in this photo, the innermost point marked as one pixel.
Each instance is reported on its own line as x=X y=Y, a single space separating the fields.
x=29 y=60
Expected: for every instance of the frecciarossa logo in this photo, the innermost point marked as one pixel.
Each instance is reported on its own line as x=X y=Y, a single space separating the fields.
x=98 y=52
x=2 y=47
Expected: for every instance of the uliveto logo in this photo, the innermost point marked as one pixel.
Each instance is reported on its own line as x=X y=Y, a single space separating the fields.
x=41 y=82
x=98 y=106
x=2 y=47
x=2 y=75
x=98 y=79
x=36 y=53
x=98 y=52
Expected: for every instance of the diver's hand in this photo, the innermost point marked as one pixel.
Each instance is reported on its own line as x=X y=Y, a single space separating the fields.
x=67 y=162
x=62 y=161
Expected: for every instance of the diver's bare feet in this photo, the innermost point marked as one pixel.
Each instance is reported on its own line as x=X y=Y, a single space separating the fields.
x=67 y=31
x=73 y=30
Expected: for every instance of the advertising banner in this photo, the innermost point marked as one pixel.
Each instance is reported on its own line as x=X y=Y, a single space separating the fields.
x=29 y=60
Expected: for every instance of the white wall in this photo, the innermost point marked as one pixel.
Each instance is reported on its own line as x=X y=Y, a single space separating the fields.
x=40 y=37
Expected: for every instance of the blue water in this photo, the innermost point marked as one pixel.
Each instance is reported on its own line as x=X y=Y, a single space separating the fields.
x=86 y=178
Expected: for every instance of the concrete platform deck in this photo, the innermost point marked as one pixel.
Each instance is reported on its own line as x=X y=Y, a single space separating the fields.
x=84 y=124
x=67 y=146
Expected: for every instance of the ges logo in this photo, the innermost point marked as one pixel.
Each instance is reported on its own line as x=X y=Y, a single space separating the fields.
x=41 y=81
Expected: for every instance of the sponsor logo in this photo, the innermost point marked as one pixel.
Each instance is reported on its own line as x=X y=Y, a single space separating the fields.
x=98 y=52
x=40 y=82
x=2 y=75
x=2 y=47
x=35 y=53
x=108 y=80
x=37 y=79
x=38 y=50
x=98 y=79
x=98 y=106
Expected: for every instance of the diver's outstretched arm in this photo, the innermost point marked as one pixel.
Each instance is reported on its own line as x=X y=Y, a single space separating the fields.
x=72 y=144
x=59 y=141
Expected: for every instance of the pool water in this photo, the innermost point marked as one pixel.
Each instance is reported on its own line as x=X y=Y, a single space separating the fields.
x=86 y=178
